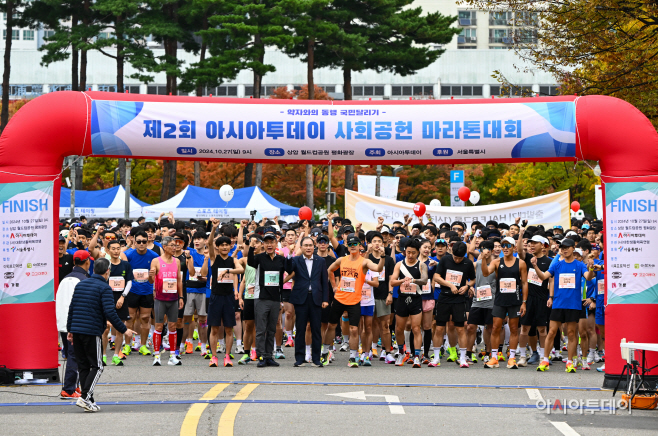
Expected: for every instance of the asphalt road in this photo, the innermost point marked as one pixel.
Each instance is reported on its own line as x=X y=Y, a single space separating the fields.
x=195 y=399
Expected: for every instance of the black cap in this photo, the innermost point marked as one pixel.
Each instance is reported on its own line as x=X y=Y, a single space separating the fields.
x=269 y=235
x=316 y=231
x=567 y=242
x=62 y=238
x=459 y=249
x=352 y=238
x=323 y=238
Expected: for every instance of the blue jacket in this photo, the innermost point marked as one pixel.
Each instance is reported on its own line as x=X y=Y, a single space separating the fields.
x=318 y=282
x=91 y=306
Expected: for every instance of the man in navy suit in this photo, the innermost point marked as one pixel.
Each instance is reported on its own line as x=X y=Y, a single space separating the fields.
x=310 y=294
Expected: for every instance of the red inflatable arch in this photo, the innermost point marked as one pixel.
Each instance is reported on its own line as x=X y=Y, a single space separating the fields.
x=43 y=132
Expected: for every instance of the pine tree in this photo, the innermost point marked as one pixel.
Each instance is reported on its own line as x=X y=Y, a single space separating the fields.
x=251 y=25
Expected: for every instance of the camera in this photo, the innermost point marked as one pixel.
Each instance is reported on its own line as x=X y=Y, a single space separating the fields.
x=253 y=214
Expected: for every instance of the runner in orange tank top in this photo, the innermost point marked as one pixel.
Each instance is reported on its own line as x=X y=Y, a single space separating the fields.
x=347 y=293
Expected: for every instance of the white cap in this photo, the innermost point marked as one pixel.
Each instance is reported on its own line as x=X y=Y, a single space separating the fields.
x=570 y=232
x=509 y=239
x=134 y=224
x=579 y=251
x=539 y=238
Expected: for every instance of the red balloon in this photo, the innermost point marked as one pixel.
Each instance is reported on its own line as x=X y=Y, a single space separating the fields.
x=305 y=213
x=464 y=193
x=419 y=209
x=575 y=206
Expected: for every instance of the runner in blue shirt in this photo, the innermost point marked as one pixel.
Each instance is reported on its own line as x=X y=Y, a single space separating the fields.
x=565 y=298
x=140 y=297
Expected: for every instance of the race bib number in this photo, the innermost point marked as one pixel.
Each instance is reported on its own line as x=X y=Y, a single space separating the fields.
x=348 y=284
x=141 y=275
x=408 y=288
x=382 y=275
x=567 y=281
x=366 y=291
x=425 y=289
x=169 y=286
x=600 y=287
x=533 y=277
x=272 y=278
x=117 y=283
x=250 y=291
x=507 y=286
x=224 y=276
x=454 y=277
x=483 y=293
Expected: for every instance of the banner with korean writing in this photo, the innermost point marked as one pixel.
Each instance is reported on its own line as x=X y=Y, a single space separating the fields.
x=631 y=214
x=28 y=263
x=294 y=132
x=549 y=210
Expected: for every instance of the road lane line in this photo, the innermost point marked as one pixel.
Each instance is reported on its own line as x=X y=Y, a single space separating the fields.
x=565 y=428
x=227 y=420
x=534 y=394
x=193 y=415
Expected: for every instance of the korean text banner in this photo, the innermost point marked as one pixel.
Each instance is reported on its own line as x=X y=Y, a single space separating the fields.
x=290 y=132
x=28 y=262
x=549 y=210
x=631 y=214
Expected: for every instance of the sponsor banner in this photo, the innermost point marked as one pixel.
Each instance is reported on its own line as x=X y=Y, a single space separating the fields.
x=598 y=201
x=631 y=214
x=28 y=263
x=549 y=210
x=388 y=186
x=334 y=133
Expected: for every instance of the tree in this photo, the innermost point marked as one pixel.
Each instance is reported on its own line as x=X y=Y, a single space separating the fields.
x=383 y=35
x=603 y=47
x=252 y=25
x=19 y=13
x=128 y=38
x=78 y=37
x=164 y=21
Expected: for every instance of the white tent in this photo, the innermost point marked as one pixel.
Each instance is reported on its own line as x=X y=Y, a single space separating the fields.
x=204 y=203
x=105 y=203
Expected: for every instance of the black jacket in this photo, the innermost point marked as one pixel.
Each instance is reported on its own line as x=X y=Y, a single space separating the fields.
x=91 y=306
x=318 y=281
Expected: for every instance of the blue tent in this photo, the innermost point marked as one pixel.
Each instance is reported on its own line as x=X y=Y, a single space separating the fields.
x=105 y=203
x=196 y=202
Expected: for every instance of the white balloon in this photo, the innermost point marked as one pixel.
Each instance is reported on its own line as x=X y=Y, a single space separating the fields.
x=475 y=197
x=226 y=193
x=435 y=202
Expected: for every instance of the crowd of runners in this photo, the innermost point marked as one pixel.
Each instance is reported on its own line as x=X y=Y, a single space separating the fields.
x=479 y=294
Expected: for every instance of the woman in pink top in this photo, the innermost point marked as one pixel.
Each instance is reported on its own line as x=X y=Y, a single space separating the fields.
x=168 y=298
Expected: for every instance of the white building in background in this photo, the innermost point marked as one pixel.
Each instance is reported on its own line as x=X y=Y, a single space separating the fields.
x=463 y=71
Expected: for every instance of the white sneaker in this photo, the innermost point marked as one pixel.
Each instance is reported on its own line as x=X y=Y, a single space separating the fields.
x=345 y=346
x=601 y=368
x=390 y=358
x=436 y=361
x=156 y=360
x=308 y=359
x=86 y=405
x=173 y=361
x=590 y=358
x=221 y=348
x=239 y=349
x=597 y=358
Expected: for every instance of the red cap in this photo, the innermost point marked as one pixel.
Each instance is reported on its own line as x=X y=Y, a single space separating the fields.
x=81 y=254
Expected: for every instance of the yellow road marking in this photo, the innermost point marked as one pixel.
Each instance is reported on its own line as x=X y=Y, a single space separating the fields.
x=194 y=413
x=227 y=420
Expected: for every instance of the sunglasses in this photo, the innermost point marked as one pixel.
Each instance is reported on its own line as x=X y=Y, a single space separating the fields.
x=457 y=229
x=508 y=245
x=399 y=237
x=179 y=242
x=108 y=237
x=557 y=227
x=441 y=241
x=141 y=241
x=353 y=244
